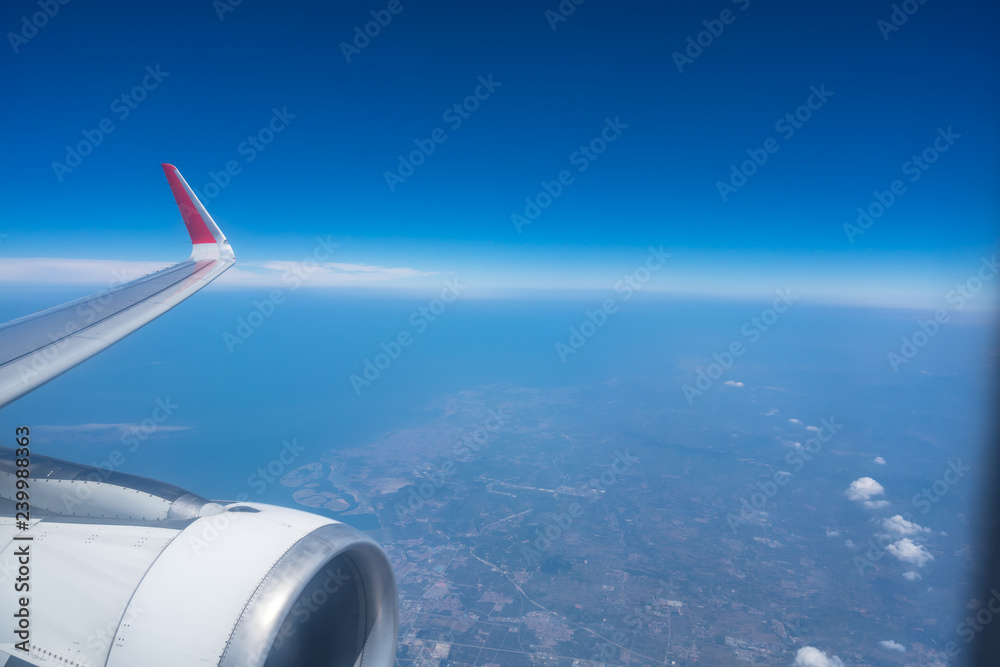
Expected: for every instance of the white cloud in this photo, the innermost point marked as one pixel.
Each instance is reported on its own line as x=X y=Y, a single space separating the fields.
x=862 y=490
x=912 y=575
x=833 y=533
x=908 y=551
x=278 y=273
x=274 y=273
x=52 y=271
x=793 y=420
x=897 y=526
x=731 y=383
x=812 y=428
x=892 y=646
x=772 y=411
x=810 y=656
x=879 y=460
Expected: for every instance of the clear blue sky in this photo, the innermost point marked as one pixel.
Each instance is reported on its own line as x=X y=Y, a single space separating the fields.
x=656 y=183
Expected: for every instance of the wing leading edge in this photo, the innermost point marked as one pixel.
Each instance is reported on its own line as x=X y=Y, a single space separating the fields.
x=36 y=348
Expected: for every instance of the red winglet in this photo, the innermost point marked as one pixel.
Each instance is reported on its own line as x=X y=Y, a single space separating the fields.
x=196 y=226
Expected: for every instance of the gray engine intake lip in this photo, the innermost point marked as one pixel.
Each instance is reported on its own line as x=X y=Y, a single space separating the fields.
x=271 y=605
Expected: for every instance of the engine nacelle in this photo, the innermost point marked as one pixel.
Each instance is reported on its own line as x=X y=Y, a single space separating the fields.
x=129 y=572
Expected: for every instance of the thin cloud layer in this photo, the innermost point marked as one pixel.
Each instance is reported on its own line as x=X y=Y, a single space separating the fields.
x=54 y=271
x=282 y=273
x=101 y=434
x=274 y=273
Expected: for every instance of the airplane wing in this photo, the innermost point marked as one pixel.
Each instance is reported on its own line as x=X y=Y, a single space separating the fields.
x=139 y=572
x=39 y=347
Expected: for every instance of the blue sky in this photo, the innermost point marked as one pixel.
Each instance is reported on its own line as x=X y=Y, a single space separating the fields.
x=887 y=95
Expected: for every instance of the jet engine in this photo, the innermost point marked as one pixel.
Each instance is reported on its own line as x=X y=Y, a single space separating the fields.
x=124 y=571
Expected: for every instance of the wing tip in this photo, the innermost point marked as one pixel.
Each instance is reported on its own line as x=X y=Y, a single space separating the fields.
x=201 y=228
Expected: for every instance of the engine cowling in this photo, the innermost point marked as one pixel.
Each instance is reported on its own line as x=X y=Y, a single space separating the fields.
x=128 y=572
